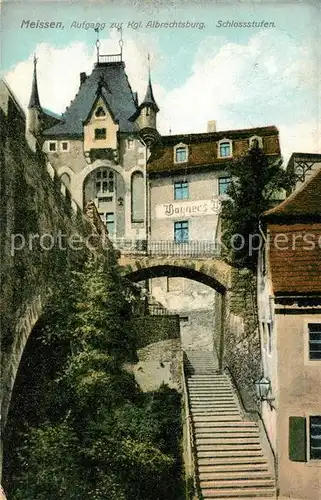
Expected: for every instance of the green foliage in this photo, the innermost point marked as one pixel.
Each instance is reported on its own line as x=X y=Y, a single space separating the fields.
x=98 y=436
x=257 y=180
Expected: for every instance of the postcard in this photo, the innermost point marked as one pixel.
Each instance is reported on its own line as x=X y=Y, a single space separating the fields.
x=160 y=258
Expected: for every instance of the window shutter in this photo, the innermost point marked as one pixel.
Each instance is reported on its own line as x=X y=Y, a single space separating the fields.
x=297 y=439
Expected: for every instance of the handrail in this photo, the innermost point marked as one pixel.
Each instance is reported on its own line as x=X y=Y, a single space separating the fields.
x=253 y=412
x=190 y=434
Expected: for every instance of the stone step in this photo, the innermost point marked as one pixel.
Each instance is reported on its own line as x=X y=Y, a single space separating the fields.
x=233 y=461
x=239 y=483
x=235 y=425
x=216 y=413
x=223 y=493
x=210 y=433
x=212 y=402
x=216 y=418
x=228 y=440
x=229 y=448
x=208 y=377
x=210 y=393
x=203 y=393
x=229 y=454
x=197 y=407
x=222 y=475
x=244 y=498
x=225 y=467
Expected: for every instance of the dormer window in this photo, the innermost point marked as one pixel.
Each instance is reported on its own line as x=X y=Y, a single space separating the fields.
x=255 y=142
x=225 y=148
x=180 y=153
x=100 y=134
x=100 y=112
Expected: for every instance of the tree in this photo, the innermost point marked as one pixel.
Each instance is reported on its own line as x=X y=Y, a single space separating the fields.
x=256 y=180
x=108 y=439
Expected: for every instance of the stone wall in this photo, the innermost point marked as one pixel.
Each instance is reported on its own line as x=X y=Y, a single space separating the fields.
x=157 y=328
x=242 y=340
x=159 y=363
x=43 y=236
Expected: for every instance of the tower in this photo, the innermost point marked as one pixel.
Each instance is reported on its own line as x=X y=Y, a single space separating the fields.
x=148 y=109
x=34 y=112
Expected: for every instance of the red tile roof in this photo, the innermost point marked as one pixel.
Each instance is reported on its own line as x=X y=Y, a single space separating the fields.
x=305 y=201
x=203 y=148
x=295 y=258
x=295 y=240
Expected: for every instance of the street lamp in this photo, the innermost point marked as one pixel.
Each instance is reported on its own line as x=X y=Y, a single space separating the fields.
x=263 y=390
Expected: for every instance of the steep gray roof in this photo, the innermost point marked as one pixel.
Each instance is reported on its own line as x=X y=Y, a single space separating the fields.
x=115 y=90
x=149 y=97
x=34 y=101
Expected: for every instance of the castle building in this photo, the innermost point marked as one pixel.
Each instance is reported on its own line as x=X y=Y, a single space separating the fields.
x=159 y=194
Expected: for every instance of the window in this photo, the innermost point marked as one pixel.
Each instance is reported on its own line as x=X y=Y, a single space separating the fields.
x=314 y=341
x=105 y=182
x=104 y=199
x=100 y=133
x=305 y=438
x=180 y=190
x=181 y=231
x=181 y=154
x=297 y=439
x=52 y=146
x=269 y=343
x=256 y=142
x=225 y=149
x=100 y=112
x=130 y=143
x=315 y=438
x=223 y=184
x=64 y=146
x=138 y=197
x=110 y=222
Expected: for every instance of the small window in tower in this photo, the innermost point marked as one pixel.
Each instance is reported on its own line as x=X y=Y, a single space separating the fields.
x=64 y=146
x=130 y=143
x=52 y=146
x=147 y=111
x=100 y=133
x=100 y=112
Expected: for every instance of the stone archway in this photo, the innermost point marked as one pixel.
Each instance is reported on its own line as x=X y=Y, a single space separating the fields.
x=212 y=272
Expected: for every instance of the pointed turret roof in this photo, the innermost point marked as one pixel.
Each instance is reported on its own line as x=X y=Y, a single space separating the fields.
x=34 y=97
x=149 y=99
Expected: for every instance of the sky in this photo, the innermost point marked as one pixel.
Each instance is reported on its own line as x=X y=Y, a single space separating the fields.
x=240 y=76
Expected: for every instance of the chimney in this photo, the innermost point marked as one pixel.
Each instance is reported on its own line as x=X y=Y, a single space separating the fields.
x=83 y=77
x=211 y=126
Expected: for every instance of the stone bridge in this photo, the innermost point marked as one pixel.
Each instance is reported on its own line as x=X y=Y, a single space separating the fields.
x=212 y=272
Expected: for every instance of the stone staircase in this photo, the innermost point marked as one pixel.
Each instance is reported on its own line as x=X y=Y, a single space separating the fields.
x=230 y=460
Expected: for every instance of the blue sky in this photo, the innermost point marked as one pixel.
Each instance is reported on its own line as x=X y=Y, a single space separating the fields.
x=239 y=76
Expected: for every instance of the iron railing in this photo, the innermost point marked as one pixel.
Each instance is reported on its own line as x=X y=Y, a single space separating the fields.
x=190 y=444
x=110 y=58
x=167 y=248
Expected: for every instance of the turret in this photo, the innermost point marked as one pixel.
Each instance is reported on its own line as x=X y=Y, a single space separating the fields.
x=34 y=108
x=148 y=109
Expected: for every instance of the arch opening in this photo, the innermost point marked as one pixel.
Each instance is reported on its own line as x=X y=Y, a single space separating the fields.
x=176 y=271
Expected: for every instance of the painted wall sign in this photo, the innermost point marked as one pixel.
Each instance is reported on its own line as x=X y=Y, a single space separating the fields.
x=187 y=209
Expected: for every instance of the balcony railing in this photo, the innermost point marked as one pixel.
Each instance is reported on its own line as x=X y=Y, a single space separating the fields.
x=167 y=248
x=110 y=58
